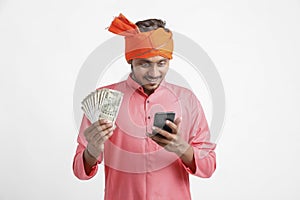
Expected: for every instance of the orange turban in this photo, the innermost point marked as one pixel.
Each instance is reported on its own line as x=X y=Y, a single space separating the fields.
x=142 y=44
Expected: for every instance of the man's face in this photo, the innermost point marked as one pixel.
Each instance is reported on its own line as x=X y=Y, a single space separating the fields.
x=149 y=72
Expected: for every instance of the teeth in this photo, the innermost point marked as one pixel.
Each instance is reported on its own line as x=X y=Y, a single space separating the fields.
x=152 y=80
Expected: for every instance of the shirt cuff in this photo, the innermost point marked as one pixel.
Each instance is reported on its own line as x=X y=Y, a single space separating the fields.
x=79 y=169
x=204 y=162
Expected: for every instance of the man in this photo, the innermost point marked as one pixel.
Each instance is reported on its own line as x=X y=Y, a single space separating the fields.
x=138 y=163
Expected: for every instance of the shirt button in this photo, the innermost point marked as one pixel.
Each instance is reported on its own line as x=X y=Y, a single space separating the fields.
x=147 y=101
x=148 y=117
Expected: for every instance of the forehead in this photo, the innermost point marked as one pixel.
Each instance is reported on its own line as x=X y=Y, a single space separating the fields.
x=150 y=59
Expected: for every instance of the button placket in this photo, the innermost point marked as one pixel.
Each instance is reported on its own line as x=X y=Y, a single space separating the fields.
x=149 y=130
x=148 y=117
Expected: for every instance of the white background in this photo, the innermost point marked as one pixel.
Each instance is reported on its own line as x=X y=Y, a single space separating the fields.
x=255 y=46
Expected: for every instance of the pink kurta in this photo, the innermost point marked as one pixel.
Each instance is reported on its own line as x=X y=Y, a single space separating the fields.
x=135 y=166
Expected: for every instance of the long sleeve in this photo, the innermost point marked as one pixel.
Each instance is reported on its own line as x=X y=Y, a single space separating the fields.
x=199 y=139
x=78 y=162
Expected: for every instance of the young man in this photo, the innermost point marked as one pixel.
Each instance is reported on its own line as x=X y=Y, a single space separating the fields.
x=138 y=164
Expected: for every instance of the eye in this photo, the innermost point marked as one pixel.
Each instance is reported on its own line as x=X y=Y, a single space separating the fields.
x=145 y=65
x=162 y=63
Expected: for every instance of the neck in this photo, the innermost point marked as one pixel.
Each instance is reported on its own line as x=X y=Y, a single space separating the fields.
x=146 y=91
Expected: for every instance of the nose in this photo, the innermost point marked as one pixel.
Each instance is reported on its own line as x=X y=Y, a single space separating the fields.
x=154 y=71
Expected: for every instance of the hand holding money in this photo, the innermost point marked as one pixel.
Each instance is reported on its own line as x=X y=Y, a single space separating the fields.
x=101 y=107
x=96 y=135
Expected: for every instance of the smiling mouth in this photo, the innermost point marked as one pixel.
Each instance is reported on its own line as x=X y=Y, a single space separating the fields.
x=152 y=80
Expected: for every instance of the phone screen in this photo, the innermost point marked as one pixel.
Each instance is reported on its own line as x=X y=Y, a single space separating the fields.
x=160 y=120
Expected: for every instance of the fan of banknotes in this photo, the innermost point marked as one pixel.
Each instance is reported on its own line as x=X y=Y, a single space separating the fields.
x=102 y=104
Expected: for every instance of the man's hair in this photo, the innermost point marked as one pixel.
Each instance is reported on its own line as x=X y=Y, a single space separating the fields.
x=151 y=24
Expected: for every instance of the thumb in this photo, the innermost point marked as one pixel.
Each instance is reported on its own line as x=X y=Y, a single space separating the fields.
x=177 y=122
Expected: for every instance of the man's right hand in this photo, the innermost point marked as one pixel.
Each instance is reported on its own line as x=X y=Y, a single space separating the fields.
x=96 y=135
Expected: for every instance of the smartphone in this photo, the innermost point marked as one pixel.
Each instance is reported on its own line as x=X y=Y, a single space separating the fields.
x=160 y=121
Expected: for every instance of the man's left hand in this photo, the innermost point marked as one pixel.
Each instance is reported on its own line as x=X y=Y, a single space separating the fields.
x=172 y=141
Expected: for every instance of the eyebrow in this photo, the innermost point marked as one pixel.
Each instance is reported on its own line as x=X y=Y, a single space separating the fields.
x=148 y=61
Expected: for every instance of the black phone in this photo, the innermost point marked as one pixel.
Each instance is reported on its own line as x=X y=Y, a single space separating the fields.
x=160 y=121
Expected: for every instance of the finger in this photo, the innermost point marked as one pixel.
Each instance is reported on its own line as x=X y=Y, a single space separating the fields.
x=92 y=135
x=160 y=144
x=96 y=136
x=95 y=125
x=102 y=121
x=159 y=139
x=153 y=134
x=89 y=129
x=150 y=135
x=167 y=135
x=105 y=132
x=98 y=131
x=174 y=125
x=106 y=136
x=104 y=127
x=178 y=121
x=90 y=132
